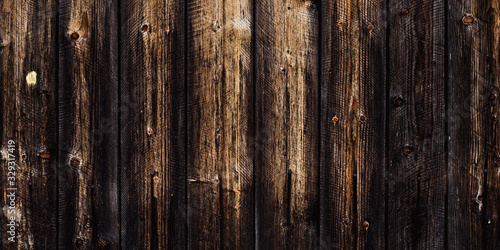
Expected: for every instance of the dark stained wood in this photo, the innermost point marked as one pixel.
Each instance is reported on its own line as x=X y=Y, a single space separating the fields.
x=152 y=120
x=88 y=132
x=29 y=119
x=353 y=84
x=492 y=199
x=287 y=112
x=220 y=112
x=472 y=186
x=416 y=125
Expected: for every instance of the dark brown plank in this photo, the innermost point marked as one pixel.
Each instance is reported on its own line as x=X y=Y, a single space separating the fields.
x=353 y=117
x=492 y=202
x=29 y=119
x=353 y=78
x=472 y=208
x=88 y=128
x=287 y=112
x=220 y=112
x=416 y=126
x=152 y=119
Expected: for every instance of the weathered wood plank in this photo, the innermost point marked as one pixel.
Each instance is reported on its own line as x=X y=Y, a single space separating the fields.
x=287 y=112
x=492 y=202
x=472 y=126
x=29 y=119
x=416 y=126
x=88 y=129
x=353 y=89
x=152 y=119
x=220 y=112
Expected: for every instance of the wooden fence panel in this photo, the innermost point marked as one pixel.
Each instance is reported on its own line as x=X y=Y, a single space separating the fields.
x=88 y=132
x=152 y=120
x=219 y=85
x=287 y=112
x=250 y=124
x=416 y=125
x=473 y=185
x=353 y=48
x=29 y=121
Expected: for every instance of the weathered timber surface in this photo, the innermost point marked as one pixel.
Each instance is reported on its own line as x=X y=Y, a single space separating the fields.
x=88 y=130
x=473 y=177
x=152 y=124
x=29 y=119
x=220 y=114
x=416 y=125
x=242 y=124
x=287 y=112
x=353 y=87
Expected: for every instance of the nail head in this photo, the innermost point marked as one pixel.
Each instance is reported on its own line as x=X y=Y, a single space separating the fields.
x=468 y=19
x=75 y=36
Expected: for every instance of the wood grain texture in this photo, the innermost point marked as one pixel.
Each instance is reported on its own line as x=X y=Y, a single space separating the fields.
x=287 y=112
x=353 y=83
x=472 y=208
x=416 y=126
x=29 y=119
x=88 y=132
x=492 y=202
x=220 y=112
x=152 y=119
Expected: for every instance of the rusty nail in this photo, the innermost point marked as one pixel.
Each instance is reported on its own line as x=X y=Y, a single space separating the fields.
x=45 y=155
x=497 y=161
x=468 y=19
x=341 y=24
x=408 y=149
x=149 y=131
x=345 y=220
x=145 y=27
x=370 y=27
x=404 y=11
x=75 y=162
x=362 y=118
x=75 y=36
x=398 y=102
x=366 y=225
x=78 y=243
x=480 y=198
x=335 y=119
x=493 y=96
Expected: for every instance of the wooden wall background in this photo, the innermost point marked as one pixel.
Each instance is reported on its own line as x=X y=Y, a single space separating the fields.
x=241 y=124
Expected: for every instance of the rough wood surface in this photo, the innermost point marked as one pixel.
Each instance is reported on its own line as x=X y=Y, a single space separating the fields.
x=152 y=120
x=88 y=130
x=220 y=112
x=215 y=124
x=416 y=125
x=472 y=124
x=29 y=119
x=287 y=112
x=353 y=79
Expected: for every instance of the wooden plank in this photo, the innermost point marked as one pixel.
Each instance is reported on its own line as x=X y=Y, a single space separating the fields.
x=220 y=112
x=88 y=129
x=152 y=119
x=416 y=126
x=353 y=114
x=472 y=208
x=29 y=120
x=287 y=112
x=492 y=202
